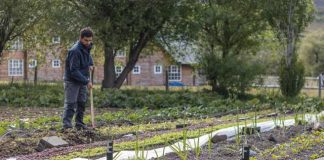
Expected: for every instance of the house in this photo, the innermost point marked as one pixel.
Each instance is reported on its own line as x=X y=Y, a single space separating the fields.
x=150 y=70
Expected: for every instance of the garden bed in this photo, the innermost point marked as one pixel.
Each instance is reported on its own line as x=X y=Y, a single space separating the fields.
x=15 y=143
x=293 y=142
x=152 y=115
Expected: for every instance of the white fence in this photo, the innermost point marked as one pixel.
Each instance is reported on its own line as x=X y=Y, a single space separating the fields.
x=273 y=82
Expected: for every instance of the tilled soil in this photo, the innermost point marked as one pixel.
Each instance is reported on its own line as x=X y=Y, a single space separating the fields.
x=12 y=113
x=229 y=150
x=22 y=144
x=78 y=140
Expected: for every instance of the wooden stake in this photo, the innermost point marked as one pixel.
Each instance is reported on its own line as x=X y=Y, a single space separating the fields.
x=91 y=101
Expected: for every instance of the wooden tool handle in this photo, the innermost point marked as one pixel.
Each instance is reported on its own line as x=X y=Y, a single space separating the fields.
x=91 y=75
x=91 y=103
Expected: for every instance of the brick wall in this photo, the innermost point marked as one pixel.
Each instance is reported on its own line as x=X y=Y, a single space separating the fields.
x=46 y=71
x=147 y=77
x=7 y=55
x=187 y=75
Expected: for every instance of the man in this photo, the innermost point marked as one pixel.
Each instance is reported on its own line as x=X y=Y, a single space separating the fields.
x=76 y=80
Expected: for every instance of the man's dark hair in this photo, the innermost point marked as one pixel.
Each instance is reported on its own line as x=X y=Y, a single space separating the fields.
x=86 y=32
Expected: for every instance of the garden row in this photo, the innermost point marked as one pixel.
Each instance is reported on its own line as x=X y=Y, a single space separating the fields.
x=52 y=95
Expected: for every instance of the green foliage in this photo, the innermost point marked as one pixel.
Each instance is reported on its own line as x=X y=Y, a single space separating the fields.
x=14 y=20
x=20 y=95
x=162 y=139
x=151 y=103
x=302 y=143
x=2 y=131
x=291 y=78
x=292 y=14
x=312 y=52
x=84 y=153
x=320 y=15
x=153 y=99
x=233 y=74
x=3 y=127
x=288 y=19
x=119 y=25
x=229 y=33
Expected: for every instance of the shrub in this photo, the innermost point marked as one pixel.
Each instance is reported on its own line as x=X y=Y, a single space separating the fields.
x=232 y=74
x=291 y=78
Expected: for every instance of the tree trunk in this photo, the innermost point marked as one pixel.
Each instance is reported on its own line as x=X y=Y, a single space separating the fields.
x=109 y=68
x=35 y=75
x=166 y=79
x=25 y=67
x=1 y=51
x=144 y=37
x=316 y=56
x=110 y=80
x=219 y=89
x=225 y=52
x=290 y=47
x=291 y=37
x=214 y=85
x=129 y=76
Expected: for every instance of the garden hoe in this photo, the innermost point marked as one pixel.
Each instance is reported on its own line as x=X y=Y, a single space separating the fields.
x=91 y=101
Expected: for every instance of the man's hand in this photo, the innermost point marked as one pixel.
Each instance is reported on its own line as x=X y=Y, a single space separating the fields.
x=91 y=68
x=89 y=85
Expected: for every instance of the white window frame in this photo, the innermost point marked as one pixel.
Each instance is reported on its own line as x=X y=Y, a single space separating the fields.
x=56 y=40
x=175 y=69
x=17 y=44
x=16 y=69
x=120 y=53
x=117 y=70
x=161 y=69
x=33 y=63
x=139 y=69
x=54 y=64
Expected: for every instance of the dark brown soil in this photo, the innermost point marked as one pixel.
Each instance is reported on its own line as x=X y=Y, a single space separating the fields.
x=23 y=144
x=12 y=113
x=78 y=140
x=229 y=150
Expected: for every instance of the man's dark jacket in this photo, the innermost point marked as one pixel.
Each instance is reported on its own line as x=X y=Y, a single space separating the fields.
x=77 y=64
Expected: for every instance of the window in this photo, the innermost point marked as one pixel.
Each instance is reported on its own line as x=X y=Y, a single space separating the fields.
x=120 y=53
x=15 y=67
x=56 y=40
x=56 y=63
x=174 y=73
x=17 y=44
x=137 y=70
x=158 y=69
x=33 y=63
x=118 y=70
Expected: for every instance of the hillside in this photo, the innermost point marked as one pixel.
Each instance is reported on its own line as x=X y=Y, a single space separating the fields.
x=318 y=22
x=319 y=4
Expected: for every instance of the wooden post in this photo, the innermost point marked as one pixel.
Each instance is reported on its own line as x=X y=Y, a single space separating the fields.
x=194 y=72
x=320 y=85
x=166 y=80
x=110 y=150
x=35 y=75
x=246 y=153
x=25 y=67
